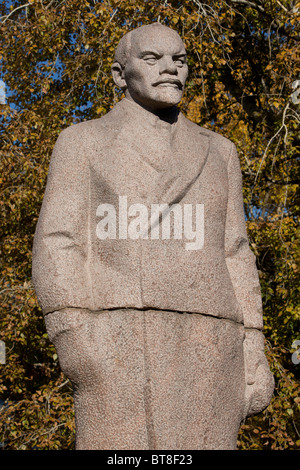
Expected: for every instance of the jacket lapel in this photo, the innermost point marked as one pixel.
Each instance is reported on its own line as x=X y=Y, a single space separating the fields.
x=189 y=153
x=156 y=165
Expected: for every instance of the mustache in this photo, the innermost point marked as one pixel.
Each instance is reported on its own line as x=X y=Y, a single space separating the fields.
x=174 y=81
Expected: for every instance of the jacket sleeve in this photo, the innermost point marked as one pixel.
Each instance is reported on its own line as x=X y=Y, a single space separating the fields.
x=60 y=248
x=239 y=258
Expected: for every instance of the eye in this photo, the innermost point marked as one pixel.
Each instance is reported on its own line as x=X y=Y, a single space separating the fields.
x=179 y=62
x=150 y=60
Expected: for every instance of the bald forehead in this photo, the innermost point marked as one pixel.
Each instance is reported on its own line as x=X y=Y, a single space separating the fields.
x=148 y=36
x=156 y=37
x=156 y=30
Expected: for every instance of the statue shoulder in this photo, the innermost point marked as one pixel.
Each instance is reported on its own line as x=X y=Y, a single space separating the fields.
x=78 y=142
x=217 y=141
x=86 y=130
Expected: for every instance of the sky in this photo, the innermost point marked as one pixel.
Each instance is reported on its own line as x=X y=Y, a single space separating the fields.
x=2 y=93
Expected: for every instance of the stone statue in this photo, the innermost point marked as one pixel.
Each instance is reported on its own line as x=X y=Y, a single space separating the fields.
x=142 y=267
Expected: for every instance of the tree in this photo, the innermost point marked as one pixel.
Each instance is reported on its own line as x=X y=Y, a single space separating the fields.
x=55 y=60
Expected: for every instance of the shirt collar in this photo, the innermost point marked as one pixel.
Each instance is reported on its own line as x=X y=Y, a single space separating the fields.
x=147 y=117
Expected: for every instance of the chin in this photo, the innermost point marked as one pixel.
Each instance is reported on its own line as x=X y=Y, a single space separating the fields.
x=170 y=98
x=166 y=100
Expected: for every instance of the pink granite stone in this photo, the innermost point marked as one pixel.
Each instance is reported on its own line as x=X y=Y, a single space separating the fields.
x=160 y=333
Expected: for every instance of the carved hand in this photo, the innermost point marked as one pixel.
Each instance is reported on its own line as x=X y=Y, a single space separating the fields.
x=70 y=332
x=259 y=379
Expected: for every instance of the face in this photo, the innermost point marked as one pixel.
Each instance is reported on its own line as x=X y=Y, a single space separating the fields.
x=156 y=71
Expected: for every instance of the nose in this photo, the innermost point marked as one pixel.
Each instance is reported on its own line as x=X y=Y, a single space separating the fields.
x=167 y=65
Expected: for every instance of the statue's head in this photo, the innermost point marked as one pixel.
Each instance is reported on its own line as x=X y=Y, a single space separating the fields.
x=150 y=66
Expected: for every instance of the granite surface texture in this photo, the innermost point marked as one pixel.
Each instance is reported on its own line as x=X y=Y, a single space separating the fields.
x=160 y=335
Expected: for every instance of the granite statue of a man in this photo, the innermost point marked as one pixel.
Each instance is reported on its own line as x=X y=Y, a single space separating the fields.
x=142 y=267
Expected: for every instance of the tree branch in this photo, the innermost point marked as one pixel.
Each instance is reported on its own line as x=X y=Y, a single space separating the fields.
x=17 y=8
x=248 y=4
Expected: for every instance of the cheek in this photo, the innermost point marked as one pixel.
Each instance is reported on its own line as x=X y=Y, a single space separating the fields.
x=183 y=74
x=143 y=83
x=137 y=78
x=147 y=75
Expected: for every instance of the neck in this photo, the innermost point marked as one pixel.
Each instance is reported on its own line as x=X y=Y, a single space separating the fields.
x=169 y=114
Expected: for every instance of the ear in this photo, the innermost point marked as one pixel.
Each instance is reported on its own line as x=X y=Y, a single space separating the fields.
x=118 y=75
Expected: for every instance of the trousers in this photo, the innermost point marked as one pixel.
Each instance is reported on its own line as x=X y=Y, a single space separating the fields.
x=148 y=379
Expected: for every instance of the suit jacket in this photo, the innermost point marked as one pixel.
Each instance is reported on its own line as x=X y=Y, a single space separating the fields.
x=131 y=152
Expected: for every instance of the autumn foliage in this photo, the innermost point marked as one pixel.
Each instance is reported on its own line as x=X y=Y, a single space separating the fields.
x=55 y=58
